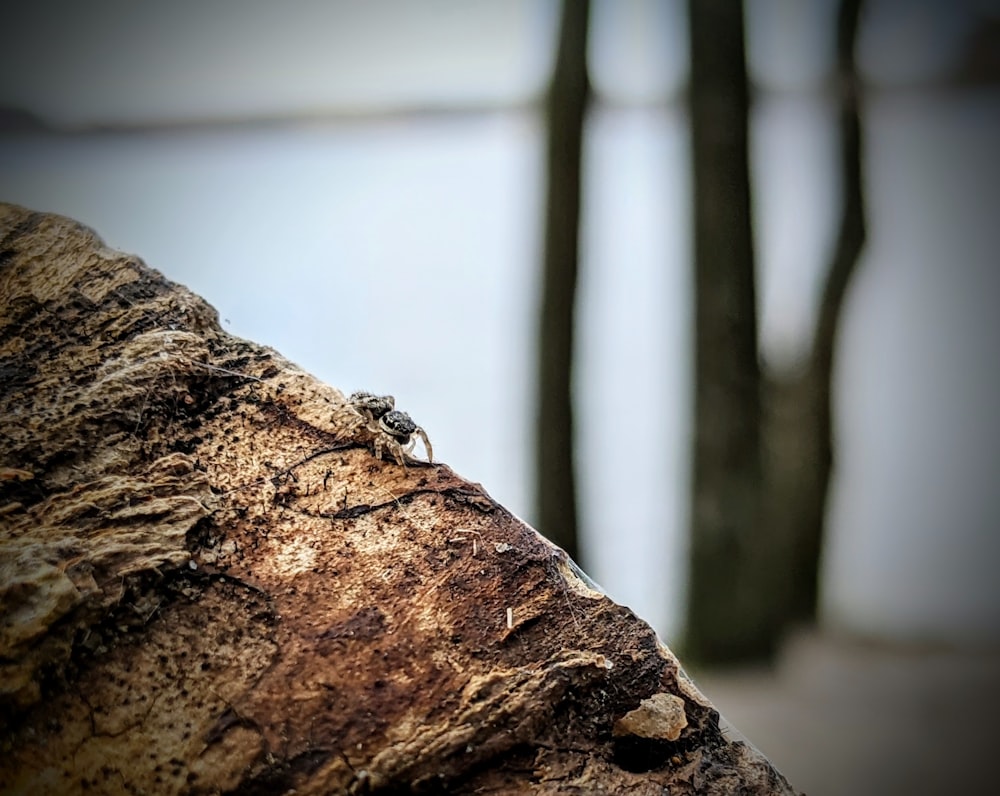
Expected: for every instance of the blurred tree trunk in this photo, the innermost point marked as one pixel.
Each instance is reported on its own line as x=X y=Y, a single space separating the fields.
x=567 y=103
x=727 y=609
x=801 y=413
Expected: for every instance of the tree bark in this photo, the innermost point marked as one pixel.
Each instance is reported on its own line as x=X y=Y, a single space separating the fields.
x=209 y=583
x=567 y=103
x=728 y=617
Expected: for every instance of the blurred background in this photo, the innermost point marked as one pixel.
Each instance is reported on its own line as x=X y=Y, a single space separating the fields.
x=368 y=188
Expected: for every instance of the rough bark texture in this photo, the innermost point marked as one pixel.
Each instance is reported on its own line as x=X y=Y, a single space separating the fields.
x=209 y=584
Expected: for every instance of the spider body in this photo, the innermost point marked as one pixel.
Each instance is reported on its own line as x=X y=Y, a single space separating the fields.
x=399 y=436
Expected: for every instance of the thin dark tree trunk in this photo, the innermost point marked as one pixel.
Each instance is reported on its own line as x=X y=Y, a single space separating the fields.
x=817 y=391
x=567 y=104
x=727 y=617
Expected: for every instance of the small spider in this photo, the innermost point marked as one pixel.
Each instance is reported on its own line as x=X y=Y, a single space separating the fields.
x=394 y=431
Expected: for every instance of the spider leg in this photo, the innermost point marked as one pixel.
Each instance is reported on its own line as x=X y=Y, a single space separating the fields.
x=397 y=451
x=427 y=443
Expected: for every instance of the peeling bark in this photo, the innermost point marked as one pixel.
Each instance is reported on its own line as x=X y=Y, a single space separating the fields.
x=209 y=584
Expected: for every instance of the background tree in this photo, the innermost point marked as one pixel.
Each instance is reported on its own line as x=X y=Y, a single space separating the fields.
x=761 y=467
x=568 y=98
x=800 y=427
x=726 y=618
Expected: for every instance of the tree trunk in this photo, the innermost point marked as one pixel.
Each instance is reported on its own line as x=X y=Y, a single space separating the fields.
x=728 y=610
x=209 y=583
x=568 y=98
x=802 y=447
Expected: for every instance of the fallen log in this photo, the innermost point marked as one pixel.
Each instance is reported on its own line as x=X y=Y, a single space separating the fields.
x=209 y=582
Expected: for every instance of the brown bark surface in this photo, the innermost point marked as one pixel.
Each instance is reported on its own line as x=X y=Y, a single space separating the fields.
x=209 y=584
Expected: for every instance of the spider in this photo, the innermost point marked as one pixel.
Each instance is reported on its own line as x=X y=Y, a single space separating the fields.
x=394 y=431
